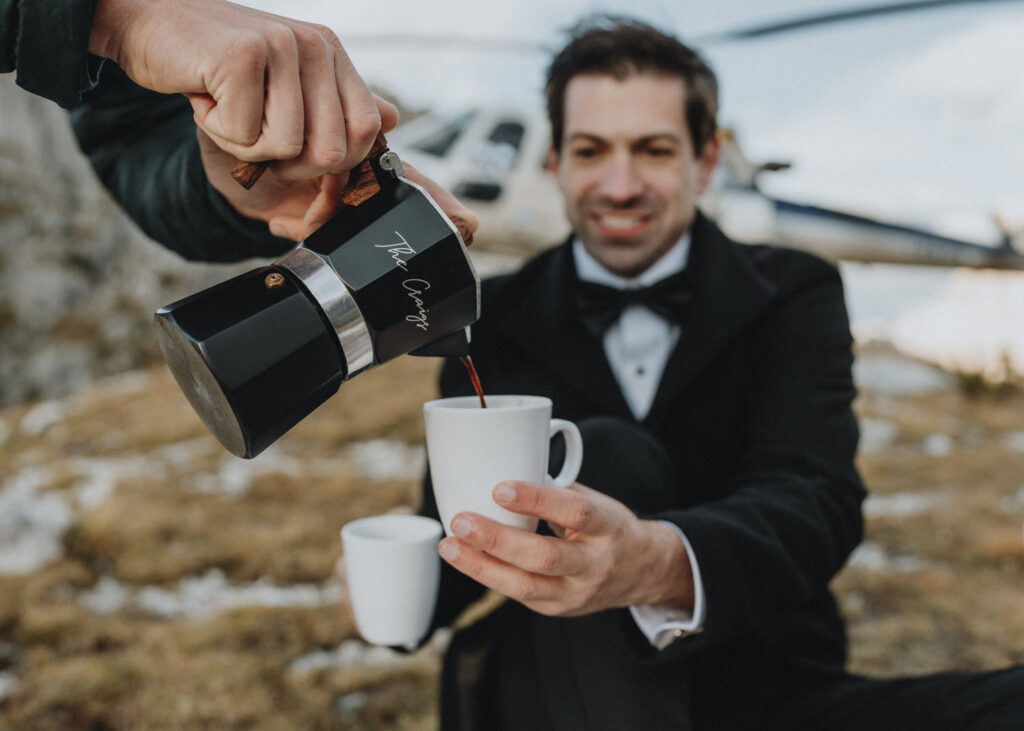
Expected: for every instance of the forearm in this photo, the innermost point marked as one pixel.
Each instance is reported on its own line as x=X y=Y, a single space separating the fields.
x=47 y=42
x=143 y=147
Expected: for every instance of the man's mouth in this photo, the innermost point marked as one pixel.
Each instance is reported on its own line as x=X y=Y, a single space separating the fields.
x=621 y=224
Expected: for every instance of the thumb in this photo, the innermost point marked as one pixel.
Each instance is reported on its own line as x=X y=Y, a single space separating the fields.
x=463 y=218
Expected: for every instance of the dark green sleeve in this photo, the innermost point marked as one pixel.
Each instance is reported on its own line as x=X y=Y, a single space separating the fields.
x=144 y=149
x=47 y=43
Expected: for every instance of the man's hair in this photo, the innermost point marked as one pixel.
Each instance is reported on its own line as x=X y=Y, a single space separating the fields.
x=620 y=47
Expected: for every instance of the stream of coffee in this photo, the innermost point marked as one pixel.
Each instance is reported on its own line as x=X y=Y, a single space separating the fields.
x=468 y=362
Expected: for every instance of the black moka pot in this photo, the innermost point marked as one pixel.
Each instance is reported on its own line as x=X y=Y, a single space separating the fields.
x=256 y=354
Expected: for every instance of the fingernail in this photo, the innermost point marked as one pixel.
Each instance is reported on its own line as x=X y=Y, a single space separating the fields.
x=461 y=527
x=464 y=229
x=448 y=550
x=504 y=493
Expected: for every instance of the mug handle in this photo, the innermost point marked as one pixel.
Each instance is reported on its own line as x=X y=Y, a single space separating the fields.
x=573 y=452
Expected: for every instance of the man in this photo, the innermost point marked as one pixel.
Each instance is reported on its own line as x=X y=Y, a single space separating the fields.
x=167 y=95
x=687 y=586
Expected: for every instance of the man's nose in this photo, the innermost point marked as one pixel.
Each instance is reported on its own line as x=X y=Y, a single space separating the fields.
x=621 y=179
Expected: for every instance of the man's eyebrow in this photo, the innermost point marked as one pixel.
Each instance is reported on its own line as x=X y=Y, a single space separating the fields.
x=584 y=137
x=640 y=141
x=659 y=137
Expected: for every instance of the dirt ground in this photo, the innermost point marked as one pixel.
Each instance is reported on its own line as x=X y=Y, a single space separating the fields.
x=152 y=581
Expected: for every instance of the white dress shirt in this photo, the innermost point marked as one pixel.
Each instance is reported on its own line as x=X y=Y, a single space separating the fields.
x=637 y=346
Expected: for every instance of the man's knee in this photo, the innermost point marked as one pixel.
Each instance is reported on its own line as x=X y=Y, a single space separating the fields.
x=623 y=460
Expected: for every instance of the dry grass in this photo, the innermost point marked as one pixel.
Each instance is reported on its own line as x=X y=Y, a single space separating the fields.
x=950 y=596
x=958 y=603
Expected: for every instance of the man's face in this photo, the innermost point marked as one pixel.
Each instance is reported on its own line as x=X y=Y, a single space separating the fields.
x=627 y=168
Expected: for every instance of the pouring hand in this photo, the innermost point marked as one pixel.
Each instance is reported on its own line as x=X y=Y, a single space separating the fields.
x=263 y=87
x=296 y=208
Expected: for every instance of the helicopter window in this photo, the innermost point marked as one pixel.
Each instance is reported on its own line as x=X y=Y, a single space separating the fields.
x=508 y=133
x=496 y=155
x=439 y=142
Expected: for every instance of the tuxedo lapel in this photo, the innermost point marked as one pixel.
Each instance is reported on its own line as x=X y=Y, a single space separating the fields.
x=728 y=293
x=541 y=319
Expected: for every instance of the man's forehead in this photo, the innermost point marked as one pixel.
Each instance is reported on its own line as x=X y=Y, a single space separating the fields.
x=640 y=105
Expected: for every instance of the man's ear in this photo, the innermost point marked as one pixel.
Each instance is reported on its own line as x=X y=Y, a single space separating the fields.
x=708 y=160
x=553 y=160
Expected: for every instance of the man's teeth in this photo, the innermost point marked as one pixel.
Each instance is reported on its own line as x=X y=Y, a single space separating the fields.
x=620 y=221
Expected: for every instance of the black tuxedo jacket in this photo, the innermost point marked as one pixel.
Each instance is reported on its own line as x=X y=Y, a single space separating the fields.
x=754 y=409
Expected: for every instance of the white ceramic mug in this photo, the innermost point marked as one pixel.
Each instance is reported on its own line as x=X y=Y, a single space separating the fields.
x=393 y=570
x=471 y=449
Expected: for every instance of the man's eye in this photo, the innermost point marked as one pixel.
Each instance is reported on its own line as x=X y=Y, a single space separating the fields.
x=660 y=151
x=585 y=152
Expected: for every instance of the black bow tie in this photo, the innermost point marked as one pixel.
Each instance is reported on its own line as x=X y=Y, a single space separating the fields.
x=600 y=306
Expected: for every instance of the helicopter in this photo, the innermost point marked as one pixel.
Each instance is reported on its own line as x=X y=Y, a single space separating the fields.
x=493 y=157
x=494 y=160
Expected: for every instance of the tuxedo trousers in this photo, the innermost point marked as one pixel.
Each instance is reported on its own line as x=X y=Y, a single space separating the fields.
x=518 y=670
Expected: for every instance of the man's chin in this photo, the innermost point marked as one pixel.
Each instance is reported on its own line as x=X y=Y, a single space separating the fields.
x=623 y=260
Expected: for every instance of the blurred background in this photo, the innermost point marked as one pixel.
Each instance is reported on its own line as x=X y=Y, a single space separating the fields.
x=150 y=580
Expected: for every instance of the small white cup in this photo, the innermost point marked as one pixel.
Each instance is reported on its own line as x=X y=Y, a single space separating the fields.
x=393 y=570
x=472 y=449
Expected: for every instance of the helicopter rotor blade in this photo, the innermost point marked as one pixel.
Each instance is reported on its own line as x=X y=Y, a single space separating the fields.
x=500 y=45
x=511 y=45
x=839 y=16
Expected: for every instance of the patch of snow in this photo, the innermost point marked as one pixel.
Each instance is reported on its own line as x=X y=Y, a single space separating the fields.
x=388 y=459
x=872 y=557
x=31 y=524
x=350 y=653
x=199 y=597
x=876 y=435
x=938 y=445
x=8 y=683
x=971 y=325
x=357 y=653
x=901 y=504
x=43 y=416
x=234 y=476
x=107 y=597
x=376 y=459
x=1014 y=441
x=349 y=703
x=894 y=375
x=99 y=477
x=183 y=453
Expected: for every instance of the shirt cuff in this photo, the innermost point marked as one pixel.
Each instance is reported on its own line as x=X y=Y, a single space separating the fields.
x=663 y=626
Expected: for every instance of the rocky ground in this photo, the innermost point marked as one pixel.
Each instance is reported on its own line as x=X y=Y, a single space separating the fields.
x=78 y=281
x=149 y=580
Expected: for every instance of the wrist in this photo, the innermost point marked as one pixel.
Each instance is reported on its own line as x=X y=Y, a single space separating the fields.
x=670 y=582
x=113 y=22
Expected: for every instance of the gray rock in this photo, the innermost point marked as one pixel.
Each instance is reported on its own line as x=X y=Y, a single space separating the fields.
x=78 y=281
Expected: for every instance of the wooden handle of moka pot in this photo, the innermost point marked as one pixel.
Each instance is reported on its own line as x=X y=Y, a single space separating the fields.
x=362 y=183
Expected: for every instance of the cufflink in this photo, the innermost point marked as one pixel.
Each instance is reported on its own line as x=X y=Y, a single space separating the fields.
x=668 y=636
